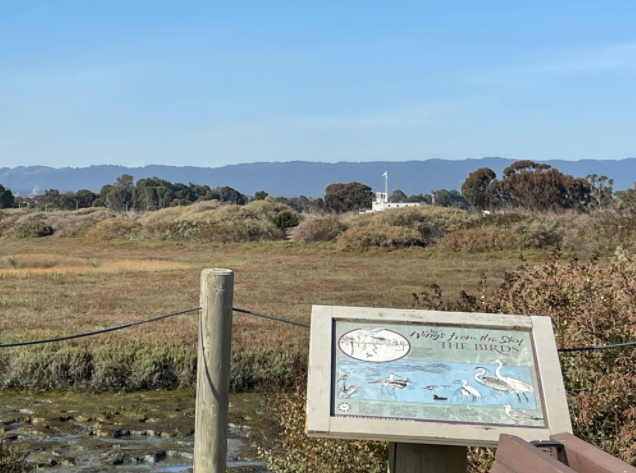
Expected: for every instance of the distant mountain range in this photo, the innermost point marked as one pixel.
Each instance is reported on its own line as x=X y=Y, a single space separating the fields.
x=302 y=177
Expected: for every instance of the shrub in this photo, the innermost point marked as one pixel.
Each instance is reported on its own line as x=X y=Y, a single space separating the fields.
x=297 y=453
x=590 y=304
x=285 y=219
x=531 y=234
x=430 y=221
x=318 y=229
x=537 y=234
x=506 y=220
x=239 y=231
x=114 y=228
x=33 y=229
x=608 y=231
x=473 y=240
x=363 y=238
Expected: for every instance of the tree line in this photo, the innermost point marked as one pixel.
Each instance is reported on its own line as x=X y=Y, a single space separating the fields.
x=524 y=184
x=534 y=186
x=125 y=194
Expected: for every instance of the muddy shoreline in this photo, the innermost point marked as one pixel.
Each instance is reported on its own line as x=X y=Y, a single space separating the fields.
x=144 y=431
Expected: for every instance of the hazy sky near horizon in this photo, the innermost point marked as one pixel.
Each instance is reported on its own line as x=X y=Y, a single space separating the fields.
x=207 y=83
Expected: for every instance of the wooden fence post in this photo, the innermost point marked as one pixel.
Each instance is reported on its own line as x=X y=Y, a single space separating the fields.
x=421 y=458
x=213 y=371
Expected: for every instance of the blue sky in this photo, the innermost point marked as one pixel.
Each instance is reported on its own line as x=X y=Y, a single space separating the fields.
x=209 y=83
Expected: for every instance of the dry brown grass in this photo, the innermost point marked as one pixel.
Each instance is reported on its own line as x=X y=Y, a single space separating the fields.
x=24 y=266
x=140 y=280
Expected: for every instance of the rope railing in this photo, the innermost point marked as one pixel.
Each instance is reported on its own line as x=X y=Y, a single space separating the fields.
x=98 y=332
x=248 y=312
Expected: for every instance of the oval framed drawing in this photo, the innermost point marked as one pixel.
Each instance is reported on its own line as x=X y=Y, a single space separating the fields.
x=374 y=345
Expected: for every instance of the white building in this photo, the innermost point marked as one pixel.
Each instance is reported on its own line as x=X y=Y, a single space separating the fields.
x=381 y=202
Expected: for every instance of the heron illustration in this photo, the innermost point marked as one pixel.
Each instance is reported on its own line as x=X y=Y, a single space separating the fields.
x=492 y=382
x=518 y=416
x=516 y=385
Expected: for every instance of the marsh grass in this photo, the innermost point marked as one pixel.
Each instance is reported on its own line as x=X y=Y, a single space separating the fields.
x=122 y=282
x=23 y=266
x=130 y=365
x=12 y=460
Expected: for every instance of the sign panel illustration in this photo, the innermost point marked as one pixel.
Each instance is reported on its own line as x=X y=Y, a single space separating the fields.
x=431 y=373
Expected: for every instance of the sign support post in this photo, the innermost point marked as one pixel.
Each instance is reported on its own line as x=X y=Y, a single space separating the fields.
x=213 y=371
x=424 y=458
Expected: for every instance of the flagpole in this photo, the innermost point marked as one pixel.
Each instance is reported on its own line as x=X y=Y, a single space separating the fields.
x=386 y=183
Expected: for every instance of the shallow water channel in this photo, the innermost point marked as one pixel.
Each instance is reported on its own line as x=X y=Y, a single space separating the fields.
x=146 y=431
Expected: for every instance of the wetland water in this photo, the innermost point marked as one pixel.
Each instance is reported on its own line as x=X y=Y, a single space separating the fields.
x=145 y=431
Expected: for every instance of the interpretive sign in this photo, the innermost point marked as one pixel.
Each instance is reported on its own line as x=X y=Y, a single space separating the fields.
x=433 y=377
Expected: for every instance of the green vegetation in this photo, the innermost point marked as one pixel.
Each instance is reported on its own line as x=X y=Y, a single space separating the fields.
x=131 y=365
x=6 y=198
x=35 y=228
x=341 y=198
x=12 y=460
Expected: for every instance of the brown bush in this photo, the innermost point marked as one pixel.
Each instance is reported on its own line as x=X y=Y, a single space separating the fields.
x=34 y=228
x=363 y=238
x=430 y=221
x=113 y=228
x=530 y=234
x=607 y=231
x=297 y=453
x=237 y=231
x=473 y=240
x=318 y=229
x=590 y=304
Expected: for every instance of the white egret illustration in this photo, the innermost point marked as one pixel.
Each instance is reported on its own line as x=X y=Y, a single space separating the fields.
x=516 y=385
x=374 y=344
x=469 y=391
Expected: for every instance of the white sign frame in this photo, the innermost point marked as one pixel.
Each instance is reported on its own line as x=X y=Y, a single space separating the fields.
x=321 y=423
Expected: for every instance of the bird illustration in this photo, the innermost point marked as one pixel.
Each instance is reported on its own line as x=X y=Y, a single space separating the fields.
x=439 y=398
x=446 y=386
x=518 y=416
x=469 y=391
x=344 y=377
x=348 y=391
x=398 y=384
x=516 y=385
x=390 y=384
x=432 y=387
x=491 y=381
x=384 y=382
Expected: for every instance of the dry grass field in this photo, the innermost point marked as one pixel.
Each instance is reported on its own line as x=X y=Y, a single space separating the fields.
x=52 y=287
x=55 y=287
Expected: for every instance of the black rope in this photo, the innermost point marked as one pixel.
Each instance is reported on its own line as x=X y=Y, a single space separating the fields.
x=97 y=332
x=248 y=312
x=599 y=347
x=271 y=317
